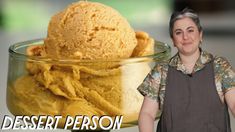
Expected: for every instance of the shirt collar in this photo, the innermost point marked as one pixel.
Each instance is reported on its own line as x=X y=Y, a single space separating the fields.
x=203 y=59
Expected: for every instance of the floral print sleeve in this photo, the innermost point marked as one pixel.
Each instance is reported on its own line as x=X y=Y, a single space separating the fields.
x=151 y=84
x=226 y=73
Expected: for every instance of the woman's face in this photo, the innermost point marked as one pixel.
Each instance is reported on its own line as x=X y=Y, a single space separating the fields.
x=186 y=36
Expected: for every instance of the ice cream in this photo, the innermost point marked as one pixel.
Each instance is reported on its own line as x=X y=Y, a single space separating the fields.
x=84 y=31
x=89 y=30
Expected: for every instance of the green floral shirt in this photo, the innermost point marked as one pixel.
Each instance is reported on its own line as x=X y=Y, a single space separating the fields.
x=154 y=84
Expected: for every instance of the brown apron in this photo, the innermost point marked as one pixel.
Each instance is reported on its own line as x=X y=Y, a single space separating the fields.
x=192 y=103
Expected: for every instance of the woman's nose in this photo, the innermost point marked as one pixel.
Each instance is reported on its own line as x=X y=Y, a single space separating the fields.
x=185 y=35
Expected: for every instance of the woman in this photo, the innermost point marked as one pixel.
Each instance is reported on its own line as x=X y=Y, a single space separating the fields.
x=193 y=89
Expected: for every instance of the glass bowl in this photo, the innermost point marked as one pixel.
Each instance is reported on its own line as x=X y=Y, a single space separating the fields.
x=69 y=87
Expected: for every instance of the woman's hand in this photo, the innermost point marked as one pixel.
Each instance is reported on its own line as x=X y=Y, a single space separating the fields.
x=147 y=115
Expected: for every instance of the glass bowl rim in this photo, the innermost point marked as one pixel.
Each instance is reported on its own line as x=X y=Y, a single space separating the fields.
x=12 y=51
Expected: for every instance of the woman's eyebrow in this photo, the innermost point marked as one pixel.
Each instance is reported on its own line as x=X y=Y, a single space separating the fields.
x=189 y=27
x=177 y=30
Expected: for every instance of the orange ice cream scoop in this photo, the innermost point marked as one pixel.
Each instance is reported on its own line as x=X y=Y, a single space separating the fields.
x=85 y=31
x=89 y=30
